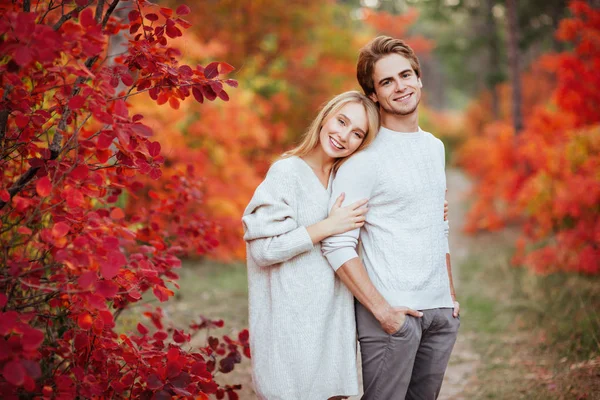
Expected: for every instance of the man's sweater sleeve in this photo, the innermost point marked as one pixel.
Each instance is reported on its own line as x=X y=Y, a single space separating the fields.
x=446 y=223
x=356 y=178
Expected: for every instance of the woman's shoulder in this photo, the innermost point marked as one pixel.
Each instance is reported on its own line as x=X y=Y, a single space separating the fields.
x=284 y=170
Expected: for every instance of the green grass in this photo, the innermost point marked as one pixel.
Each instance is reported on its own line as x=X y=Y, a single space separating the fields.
x=537 y=336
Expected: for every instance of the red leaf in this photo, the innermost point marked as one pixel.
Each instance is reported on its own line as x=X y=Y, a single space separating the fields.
x=151 y=17
x=183 y=10
x=43 y=187
x=162 y=293
x=232 y=82
x=32 y=339
x=225 y=68
x=167 y=12
x=174 y=103
x=60 y=229
x=86 y=279
x=110 y=268
x=142 y=329
x=211 y=70
x=80 y=172
x=87 y=17
x=22 y=121
x=3 y=300
x=244 y=335
x=160 y=335
x=154 y=149
x=173 y=32
x=23 y=230
x=223 y=95
x=208 y=92
x=14 y=372
x=76 y=102
x=142 y=130
x=4 y=195
x=107 y=289
x=173 y=369
x=32 y=368
x=133 y=15
x=154 y=382
x=198 y=94
x=23 y=56
x=85 y=321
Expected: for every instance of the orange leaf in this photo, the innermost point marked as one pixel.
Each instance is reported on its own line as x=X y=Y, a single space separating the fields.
x=117 y=213
x=85 y=321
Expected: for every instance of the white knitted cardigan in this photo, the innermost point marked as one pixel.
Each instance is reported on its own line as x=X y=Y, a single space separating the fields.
x=302 y=326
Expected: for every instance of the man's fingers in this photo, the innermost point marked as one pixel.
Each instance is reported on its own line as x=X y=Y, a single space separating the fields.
x=414 y=313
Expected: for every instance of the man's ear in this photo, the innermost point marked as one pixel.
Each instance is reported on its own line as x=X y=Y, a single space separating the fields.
x=420 y=83
x=373 y=96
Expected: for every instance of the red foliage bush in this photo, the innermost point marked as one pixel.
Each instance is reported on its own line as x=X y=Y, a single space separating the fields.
x=546 y=177
x=71 y=153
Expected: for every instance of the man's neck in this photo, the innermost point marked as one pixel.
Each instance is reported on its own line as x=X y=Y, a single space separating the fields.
x=400 y=123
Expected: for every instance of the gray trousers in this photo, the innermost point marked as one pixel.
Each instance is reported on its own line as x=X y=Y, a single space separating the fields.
x=409 y=364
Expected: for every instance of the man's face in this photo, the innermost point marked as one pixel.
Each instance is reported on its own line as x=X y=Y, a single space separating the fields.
x=397 y=87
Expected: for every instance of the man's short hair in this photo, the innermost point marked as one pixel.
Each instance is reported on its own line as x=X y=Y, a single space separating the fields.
x=375 y=50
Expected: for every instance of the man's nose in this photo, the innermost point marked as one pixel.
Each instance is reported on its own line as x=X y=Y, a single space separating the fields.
x=400 y=86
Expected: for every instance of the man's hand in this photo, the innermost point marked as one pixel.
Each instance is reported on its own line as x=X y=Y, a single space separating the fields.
x=445 y=210
x=392 y=320
x=456 y=311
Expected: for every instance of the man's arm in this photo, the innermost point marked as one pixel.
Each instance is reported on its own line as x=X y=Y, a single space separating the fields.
x=354 y=275
x=452 y=291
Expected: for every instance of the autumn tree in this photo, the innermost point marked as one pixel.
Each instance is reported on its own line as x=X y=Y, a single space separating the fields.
x=72 y=153
x=546 y=179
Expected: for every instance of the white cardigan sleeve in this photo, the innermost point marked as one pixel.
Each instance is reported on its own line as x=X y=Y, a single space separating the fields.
x=270 y=221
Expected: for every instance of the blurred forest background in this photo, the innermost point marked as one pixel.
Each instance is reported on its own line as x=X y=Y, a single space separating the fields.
x=510 y=86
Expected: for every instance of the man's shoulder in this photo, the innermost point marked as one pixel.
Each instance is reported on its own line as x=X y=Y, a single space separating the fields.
x=360 y=159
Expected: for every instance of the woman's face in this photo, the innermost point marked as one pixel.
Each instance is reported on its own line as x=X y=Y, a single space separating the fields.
x=344 y=131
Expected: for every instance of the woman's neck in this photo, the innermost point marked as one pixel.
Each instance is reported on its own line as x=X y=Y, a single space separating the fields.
x=319 y=160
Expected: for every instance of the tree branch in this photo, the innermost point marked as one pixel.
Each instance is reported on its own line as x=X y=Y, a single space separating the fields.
x=65 y=17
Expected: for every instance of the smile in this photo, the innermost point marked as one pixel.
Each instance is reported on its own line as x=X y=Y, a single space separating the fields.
x=403 y=98
x=336 y=144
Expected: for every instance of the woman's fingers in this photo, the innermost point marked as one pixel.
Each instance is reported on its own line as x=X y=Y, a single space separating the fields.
x=358 y=204
x=339 y=201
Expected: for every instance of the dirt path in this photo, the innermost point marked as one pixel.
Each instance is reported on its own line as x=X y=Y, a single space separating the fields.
x=464 y=360
x=220 y=291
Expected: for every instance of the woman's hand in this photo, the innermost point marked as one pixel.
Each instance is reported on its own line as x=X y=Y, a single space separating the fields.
x=344 y=219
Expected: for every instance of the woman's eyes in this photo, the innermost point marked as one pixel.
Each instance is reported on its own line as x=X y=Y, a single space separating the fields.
x=342 y=122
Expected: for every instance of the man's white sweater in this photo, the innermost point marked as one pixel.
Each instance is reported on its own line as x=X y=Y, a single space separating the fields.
x=405 y=237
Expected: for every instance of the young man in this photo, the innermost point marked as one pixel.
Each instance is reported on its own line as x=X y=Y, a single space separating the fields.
x=407 y=313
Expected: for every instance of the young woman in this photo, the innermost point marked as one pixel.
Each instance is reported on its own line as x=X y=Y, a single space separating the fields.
x=302 y=329
x=302 y=325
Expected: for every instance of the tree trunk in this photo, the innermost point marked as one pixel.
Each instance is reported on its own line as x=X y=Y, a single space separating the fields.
x=494 y=68
x=513 y=61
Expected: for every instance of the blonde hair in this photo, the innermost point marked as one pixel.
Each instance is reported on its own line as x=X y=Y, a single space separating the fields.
x=310 y=139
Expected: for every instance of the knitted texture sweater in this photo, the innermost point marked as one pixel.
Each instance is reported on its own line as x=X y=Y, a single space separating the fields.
x=405 y=237
x=302 y=327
